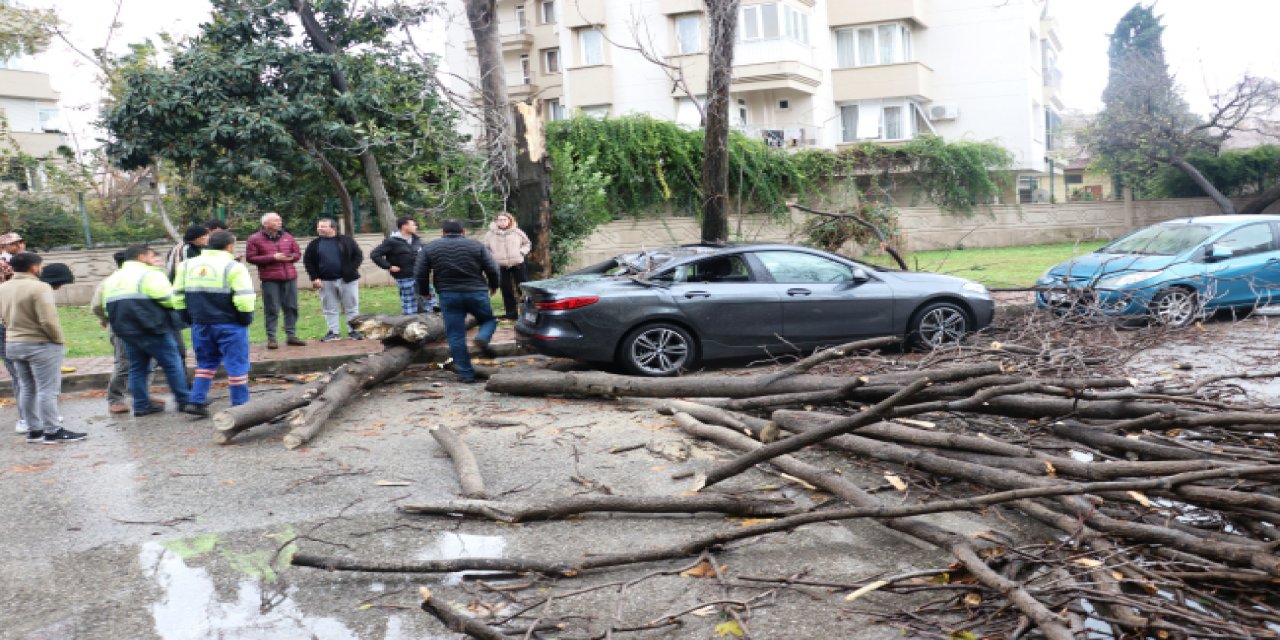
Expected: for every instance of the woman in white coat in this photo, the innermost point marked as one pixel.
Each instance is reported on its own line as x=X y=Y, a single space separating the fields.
x=509 y=246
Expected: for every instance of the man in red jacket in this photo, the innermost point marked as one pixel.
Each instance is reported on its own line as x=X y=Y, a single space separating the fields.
x=275 y=250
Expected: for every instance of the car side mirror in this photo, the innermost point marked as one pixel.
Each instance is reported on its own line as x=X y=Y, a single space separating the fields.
x=1218 y=253
x=860 y=275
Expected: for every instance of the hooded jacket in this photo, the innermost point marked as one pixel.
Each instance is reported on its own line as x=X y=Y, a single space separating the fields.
x=509 y=246
x=395 y=251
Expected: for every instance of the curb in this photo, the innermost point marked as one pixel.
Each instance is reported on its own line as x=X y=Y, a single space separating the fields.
x=434 y=353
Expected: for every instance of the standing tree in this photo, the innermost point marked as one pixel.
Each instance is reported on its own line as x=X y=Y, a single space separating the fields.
x=482 y=16
x=1145 y=124
x=722 y=26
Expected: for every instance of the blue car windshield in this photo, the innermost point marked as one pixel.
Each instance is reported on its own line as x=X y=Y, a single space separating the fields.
x=1163 y=239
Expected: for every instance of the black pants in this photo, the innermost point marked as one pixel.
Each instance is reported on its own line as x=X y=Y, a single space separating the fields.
x=511 y=279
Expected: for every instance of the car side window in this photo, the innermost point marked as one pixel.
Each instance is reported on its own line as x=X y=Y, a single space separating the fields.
x=794 y=267
x=1248 y=240
x=730 y=268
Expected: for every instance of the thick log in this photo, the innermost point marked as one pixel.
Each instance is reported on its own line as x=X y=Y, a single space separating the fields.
x=575 y=505
x=598 y=384
x=464 y=462
x=422 y=327
x=231 y=422
x=373 y=369
x=455 y=621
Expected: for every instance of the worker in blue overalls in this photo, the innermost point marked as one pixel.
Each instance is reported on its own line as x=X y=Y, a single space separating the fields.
x=215 y=293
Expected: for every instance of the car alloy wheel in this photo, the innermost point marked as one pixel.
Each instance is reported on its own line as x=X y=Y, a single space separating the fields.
x=658 y=350
x=1175 y=307
x=938 y=324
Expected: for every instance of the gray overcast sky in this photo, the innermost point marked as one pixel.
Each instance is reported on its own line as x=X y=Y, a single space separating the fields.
x=1209 y=44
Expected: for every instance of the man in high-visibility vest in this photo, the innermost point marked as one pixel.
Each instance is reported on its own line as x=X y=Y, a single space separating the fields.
x=139 y=303
x=215 y=294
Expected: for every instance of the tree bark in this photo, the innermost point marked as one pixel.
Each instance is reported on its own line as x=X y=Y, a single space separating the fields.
x=1260 y=202
x=455 y=621
x=464 y=462
x=576 y=505
x=372 y=172
x=366 y=372
x=722 y=29
x=231 y=422
x=531 y=199
x=417 y=328
x=1224 y=203
x=482 y=15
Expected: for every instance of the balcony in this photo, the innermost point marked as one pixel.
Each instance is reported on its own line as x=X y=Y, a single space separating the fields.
x=521 y=92
x=694 y=68
x=841 y=13
x=28 y=85
x=591 y=86
x=783 y=74
x=511 y=43
x=905 y=80
x=38 y=145
x=582 y=14
x=671 y=7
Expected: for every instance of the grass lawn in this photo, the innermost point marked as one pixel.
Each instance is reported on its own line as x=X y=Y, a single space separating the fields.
x=85 y=337
x=996 y=268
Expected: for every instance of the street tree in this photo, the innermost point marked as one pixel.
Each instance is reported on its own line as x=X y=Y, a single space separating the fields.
x=722 y=27
x=1146 y=124
x=25 y=30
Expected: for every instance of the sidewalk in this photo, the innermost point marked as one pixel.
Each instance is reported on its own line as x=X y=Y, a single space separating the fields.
x=94 y=372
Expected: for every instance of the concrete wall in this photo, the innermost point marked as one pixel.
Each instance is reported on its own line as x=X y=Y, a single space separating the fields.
x=90 y=267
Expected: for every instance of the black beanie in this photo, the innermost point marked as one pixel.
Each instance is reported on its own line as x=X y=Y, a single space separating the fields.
x=195 y=231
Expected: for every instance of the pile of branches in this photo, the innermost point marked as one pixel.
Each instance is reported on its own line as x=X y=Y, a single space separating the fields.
x=1158 y=501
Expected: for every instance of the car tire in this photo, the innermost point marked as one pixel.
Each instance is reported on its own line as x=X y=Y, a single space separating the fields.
x=1175 y=307
x=937 y=324
x=657 y=350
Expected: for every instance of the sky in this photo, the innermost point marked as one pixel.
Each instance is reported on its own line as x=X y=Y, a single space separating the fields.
x=1208 y=44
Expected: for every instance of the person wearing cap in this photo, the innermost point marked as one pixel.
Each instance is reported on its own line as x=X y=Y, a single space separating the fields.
x=215 y=292
x=140 y=306
x=194 y=239
x=118 y=385
x=35 y=344
x=10 y=245
x=465 y=276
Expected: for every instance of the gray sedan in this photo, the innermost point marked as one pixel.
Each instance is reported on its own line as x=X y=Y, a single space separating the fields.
x=662 y=311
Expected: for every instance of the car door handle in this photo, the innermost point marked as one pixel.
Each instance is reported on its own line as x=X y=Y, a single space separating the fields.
x=697 y=294
x=798 y=292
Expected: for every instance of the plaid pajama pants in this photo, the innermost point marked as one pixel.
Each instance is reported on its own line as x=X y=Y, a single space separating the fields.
x=410 y=301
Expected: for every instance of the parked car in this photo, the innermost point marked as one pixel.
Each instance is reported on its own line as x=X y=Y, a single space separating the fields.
x=1173 y=272
x=658 y=312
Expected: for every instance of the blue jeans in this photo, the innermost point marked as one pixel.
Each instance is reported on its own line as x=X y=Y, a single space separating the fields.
x=161 y=348
x=454 y=306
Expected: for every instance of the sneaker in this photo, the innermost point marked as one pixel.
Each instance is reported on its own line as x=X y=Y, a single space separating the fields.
x=194 y=409
x=22 y=426
x=118 y=407
x=355 y=335
x=272 y=344
x=483 y=347
x=468 y=380
x=62 y=435
x=148 y=411
x=331 y=337
x=35 y=437
x=295 y=342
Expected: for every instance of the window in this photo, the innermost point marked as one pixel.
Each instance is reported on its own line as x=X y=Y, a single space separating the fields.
x=520 y=22
x=1073 y=178
x=551 y=61
x=893 y=123
x=599 y=112
x=688 y=113
x=48 y=120
x=688 y=33
x=783 y=105
x=555 y=110
x=1028 y=186
x=771 y=20
x=880 y=44
x=849 y=123
x=526 y=71
x=592 y=44
x=1245 y=241
x=722 y=269
x=793 y=267
x=547 y=11
x=742 y=113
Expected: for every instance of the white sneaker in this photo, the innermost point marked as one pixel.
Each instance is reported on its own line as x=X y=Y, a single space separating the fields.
x=22 y=426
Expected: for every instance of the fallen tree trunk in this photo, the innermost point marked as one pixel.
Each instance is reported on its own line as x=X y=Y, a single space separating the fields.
x=455 y=621
x=576 y=505
x=229 y=423
x=415 y=328
x=463 y=461
x=306 y=422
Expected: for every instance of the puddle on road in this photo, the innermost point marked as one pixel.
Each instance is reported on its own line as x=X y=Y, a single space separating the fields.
x=450 y=545
x=189 y=606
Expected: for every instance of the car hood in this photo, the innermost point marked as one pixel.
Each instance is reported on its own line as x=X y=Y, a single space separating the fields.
x=1094 y=265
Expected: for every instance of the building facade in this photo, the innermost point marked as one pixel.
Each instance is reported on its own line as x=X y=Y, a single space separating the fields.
x=29 y=121
x=807 y=73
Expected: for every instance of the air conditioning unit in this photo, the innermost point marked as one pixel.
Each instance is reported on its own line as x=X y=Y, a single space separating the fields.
x=944 y=111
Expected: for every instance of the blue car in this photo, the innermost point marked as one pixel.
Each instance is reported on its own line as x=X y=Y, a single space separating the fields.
x=1174 y=272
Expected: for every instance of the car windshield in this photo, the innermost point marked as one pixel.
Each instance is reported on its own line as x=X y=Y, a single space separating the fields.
x=1162 y=239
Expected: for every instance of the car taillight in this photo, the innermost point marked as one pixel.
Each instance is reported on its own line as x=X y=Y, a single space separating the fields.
x=567 y=303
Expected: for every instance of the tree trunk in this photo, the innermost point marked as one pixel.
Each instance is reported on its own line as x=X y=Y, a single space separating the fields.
x=372 y=172
x=164 y=213
x=415 y=328
x=338 y=184
x=464 y=462
x=722 y=27
x=231 y=422
x=482 y=15
x=366 y=372
x=531 y=200
x=1223 y=202
x=1260 y=202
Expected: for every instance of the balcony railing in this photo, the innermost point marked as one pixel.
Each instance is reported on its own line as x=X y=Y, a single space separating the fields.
x=903 y=80
x=842 y=13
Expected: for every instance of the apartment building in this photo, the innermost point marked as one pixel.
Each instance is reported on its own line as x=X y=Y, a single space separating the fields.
x=29 y=106
x=807 y=73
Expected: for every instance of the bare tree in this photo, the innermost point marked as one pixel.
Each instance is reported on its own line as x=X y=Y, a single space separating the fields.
x=482 y=16
x=722 y=27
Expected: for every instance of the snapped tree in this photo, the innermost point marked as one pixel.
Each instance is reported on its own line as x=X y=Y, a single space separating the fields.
x=722 y=29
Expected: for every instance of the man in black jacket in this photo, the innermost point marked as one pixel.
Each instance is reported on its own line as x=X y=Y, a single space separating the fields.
x=333 y=262
x=465 y=276
x=397 y=255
